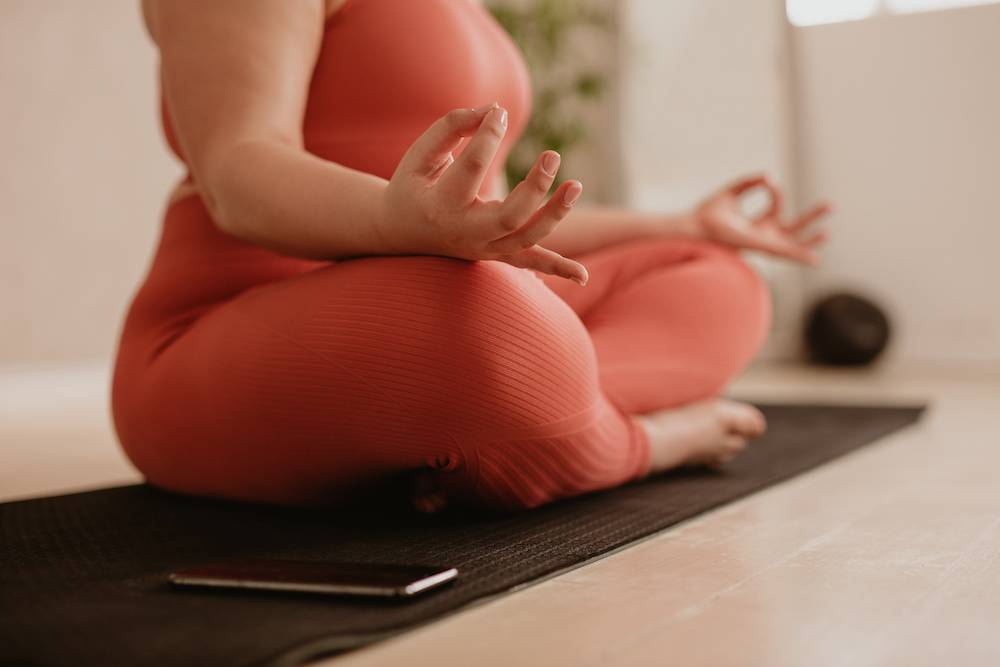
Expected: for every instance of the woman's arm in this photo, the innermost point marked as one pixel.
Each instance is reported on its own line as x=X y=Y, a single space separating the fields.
x=236 y=75
x=718 y=218
x=592 y=227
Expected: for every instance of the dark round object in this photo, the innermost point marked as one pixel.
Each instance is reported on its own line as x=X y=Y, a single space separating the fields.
x=846 y=330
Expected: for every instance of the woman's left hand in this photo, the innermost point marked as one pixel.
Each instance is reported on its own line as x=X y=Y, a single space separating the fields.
x=720 y=218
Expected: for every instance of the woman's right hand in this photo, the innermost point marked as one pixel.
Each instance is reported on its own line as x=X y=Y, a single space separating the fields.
x=432 y=206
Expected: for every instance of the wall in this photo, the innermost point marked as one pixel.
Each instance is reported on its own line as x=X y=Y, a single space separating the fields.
x=898 y=123
x=706 y=98
x=83 y=175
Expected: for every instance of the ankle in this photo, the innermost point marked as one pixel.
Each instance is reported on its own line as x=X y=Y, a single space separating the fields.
x=646 y=428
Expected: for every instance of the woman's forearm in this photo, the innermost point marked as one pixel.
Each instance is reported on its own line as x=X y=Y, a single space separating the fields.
x=285 y=199
x=592 y=227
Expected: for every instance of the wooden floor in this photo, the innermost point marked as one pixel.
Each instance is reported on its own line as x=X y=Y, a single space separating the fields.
x=889 y=556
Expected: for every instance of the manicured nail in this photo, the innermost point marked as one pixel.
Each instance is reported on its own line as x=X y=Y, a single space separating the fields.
x=573 y=193
x=550 y=163
x=501 y=115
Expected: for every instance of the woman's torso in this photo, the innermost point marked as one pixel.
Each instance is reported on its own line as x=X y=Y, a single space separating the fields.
x=386 y=70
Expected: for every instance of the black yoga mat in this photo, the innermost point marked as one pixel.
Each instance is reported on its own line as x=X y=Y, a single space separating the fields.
x=83 y=576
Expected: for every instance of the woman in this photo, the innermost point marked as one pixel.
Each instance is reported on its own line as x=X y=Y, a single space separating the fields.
x=344 y=292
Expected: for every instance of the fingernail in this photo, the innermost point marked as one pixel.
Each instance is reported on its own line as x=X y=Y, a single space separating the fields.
x=573 y=193
x=550 y=163
x=501 y=115
x=485 y=108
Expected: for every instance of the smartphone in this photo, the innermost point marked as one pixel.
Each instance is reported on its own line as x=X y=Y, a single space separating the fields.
x=330 y=578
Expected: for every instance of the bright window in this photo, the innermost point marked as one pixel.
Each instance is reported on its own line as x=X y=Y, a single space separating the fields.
x=902 y=6
x=815 y=12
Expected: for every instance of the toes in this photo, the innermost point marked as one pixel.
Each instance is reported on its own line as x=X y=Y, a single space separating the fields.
x=728 y=449
x=744 y=419
x=731 y=447
x=759 y=422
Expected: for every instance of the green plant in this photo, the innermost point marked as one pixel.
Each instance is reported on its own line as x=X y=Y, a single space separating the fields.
x=541 y=28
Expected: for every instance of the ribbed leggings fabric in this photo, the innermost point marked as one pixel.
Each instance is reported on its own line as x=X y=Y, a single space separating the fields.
x=518 y=389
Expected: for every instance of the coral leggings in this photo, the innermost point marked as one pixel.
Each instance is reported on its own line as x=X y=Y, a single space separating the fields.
x=517 y=388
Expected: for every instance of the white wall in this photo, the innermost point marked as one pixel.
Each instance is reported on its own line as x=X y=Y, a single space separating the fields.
x=899 y=122
x=83 y=173
x=706 y=98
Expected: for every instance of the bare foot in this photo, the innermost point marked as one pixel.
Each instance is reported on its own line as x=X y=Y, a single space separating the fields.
x=708 y=433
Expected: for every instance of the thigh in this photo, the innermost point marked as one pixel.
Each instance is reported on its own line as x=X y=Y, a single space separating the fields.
x=317 y=385
x=672 y=320
x=613 y=267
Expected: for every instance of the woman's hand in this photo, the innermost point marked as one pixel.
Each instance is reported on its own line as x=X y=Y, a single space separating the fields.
x=719 y=218
x=432 y=206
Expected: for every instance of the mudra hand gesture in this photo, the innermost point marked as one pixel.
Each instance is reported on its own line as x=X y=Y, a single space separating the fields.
x=720 y=218
x=432 y=204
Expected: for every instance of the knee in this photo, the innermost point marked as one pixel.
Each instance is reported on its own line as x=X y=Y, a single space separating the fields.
x=740 y=292
x=473 y=347
x=717 y=275
x=529 y=355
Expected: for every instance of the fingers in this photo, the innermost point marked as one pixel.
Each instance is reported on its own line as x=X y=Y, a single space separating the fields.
x=741 y=187
x=464 y=178
x=808 y=218
x=546 y=261
x=815 y=240
x=436 y=172
x=529 y=194
x=431 y=152
x=792 y=250
x=772 y=239
x=542 y=222
x=744 y=185
x=780 y=246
